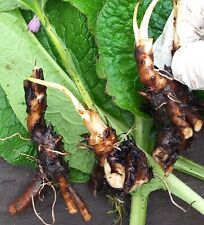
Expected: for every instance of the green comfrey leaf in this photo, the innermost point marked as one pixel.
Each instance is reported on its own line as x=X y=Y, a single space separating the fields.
x=33 y=4
x=19 y=51
x=115 y=40
x=70 y=26
x=159 y=16
x=14 y=149
x=77 y=176
x=90 y=8
x=7 y=5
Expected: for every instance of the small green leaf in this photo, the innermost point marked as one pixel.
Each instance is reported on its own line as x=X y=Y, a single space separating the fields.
x=77 y=176
x=14 y=149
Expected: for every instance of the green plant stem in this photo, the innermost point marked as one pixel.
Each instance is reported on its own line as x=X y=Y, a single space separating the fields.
x=187 y=166
x=64 y=53
x=68 y=63
x=143 y=128
x=139 y=198
x=181 y=190
x=139 y=202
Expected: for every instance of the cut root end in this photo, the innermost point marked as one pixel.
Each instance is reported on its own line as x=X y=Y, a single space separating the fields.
x=80 y=204
x=24 y=200
x=198 y=125
x=12 y=210
x=187 y=132
x=72 y=199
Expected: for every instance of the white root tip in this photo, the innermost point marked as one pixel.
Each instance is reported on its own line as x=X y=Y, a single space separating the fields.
x=145 y=22
x=198 y=125
x=135 y=25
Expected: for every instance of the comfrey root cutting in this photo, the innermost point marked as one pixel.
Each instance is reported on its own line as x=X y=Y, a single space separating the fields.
x=124 y=165
x=170 y=102
x=51 y=166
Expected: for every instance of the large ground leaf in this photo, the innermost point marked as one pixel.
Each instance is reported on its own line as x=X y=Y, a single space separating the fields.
x=19 y=50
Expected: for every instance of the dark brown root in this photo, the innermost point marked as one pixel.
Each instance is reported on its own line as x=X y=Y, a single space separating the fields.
x=172 y=104
x=63 y=185
x=137 y=170
x=36 y=101
x=49 y=144
x=81 y=205
x=178 y=118
x=150 y=77
x=97 y=181
x=170 y=143
x=125 y=168
x=25 y=199
x=127 y=158
x=102 y=140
